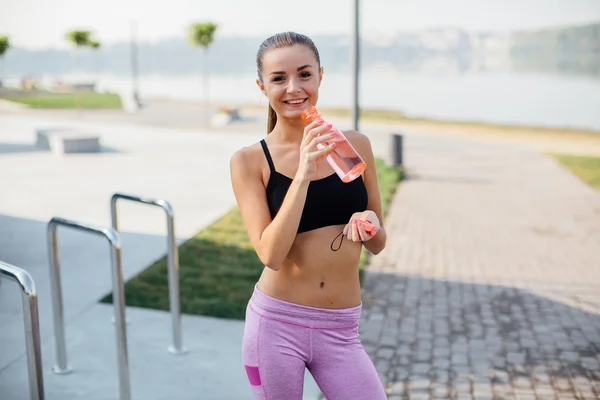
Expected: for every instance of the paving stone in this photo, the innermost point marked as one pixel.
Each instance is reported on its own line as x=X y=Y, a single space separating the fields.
x=441 y=391
x=419 y=383
x=421 y=369
x=464 y=396
x=385 y=353
x=419 y=395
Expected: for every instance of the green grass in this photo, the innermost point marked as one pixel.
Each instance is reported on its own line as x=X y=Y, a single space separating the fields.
x=585 y=167
x=69 y=100
x=218 y=267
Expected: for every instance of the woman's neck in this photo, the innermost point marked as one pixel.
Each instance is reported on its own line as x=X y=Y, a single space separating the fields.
x=289 y=130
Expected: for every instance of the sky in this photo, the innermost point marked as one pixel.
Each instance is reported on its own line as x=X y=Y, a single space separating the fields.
x=36 y=24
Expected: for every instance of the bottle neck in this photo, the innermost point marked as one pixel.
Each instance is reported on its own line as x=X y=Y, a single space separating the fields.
x=312 y=117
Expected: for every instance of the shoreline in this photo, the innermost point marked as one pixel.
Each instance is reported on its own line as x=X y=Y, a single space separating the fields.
x=544 y=139
x=394 y=116
x=366 y=114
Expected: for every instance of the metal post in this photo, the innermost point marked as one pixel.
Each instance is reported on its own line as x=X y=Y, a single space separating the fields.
x=355 y=62
x=114 y=241
x=134 y=63
x=397 y=149
x=172 y=256
x=32 y=327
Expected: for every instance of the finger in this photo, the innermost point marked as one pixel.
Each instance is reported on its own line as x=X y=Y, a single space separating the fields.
x=321 y=138
x=315 y=129
x=322 y=153
x=309 y=132
x=364 y=236
x=312 y=126
x=319 y=130
x=349 y=231
x=355 y=234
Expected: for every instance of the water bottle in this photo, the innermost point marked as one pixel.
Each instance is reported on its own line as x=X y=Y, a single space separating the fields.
x=344 y=160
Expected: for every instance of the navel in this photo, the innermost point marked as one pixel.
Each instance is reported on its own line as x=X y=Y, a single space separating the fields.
x=322 y=284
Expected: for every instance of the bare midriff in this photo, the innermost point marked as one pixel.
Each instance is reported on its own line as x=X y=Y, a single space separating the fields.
x=314 y=275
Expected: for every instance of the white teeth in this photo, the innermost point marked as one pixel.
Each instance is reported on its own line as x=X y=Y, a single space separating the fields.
x=294 y=101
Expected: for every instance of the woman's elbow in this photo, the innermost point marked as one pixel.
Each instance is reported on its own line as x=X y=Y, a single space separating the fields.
x=269 y=261
x=377 y=248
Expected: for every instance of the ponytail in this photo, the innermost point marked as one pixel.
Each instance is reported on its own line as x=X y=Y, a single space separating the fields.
x=271 y=119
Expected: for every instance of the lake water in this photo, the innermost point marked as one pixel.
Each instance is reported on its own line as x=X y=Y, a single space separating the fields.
x=511 y=98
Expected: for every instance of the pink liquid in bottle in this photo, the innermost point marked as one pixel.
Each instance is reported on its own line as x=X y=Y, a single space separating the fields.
x=344 y=160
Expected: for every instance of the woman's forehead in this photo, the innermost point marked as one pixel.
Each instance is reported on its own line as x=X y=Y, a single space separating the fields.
x=289 y=58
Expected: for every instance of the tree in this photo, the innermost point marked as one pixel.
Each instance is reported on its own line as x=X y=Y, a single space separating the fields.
x=202 y=35
x=4 y=46
x=81 y=40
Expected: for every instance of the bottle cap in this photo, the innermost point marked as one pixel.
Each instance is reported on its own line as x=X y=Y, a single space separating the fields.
x=310 y=114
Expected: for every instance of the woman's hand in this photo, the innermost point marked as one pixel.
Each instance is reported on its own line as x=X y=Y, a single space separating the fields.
x=362 y=226
x=310 y=156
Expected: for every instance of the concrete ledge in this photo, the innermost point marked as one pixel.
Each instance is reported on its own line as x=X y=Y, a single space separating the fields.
x=67 y=141
x=226 y=116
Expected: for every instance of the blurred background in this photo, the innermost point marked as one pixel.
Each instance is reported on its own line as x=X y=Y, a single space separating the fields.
x=463 y=60
x=484 y=119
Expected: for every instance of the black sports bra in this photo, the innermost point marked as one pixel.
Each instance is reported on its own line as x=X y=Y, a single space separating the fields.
x=329 y=201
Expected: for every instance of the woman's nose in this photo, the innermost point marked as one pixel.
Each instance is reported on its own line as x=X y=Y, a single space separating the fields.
x=293 y=86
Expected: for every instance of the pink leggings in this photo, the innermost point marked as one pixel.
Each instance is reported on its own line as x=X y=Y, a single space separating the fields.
x=282 y=338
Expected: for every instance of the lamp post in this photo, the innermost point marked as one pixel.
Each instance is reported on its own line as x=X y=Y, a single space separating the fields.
x=134 y=62
x=354 y=62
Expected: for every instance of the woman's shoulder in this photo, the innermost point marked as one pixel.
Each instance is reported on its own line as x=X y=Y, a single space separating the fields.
x=247 y=158
x=248 y=152
x=358 y=140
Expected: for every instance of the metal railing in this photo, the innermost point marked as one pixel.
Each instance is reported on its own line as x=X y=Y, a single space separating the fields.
x=173 y=261
x=114 y=241
x=32 y=327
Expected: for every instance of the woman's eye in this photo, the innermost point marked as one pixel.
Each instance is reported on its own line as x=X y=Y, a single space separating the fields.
x=278 y=79
x=305 y=74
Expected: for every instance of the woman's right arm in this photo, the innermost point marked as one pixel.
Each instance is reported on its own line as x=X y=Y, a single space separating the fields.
x=273 y=239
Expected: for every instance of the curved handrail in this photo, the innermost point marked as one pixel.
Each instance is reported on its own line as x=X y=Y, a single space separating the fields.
x=114 y=241
x=19 y=276
x=172 y=257
x=164 y=204
x=32 y=327
x=111 y=235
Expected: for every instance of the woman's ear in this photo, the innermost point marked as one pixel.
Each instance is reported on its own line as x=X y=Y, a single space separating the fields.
x=320 y=74
x=261 y=86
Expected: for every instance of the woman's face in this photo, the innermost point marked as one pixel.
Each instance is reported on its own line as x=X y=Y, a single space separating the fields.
x=290 y=79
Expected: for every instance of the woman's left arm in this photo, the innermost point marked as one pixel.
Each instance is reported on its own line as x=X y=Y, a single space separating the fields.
x=373 y=213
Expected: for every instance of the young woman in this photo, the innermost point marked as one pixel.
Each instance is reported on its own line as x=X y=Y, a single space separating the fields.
x=301 y=219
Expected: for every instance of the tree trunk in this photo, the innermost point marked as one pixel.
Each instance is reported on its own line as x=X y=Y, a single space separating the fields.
x=77 y=94
x=206 y=89
x=2 y=71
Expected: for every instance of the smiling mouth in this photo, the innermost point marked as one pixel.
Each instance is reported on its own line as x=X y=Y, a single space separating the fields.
x=295 y=102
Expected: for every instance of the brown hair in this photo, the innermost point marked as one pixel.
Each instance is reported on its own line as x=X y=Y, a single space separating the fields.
x=279 y=40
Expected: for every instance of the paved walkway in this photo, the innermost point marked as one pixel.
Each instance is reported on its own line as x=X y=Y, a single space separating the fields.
x=489 y=287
